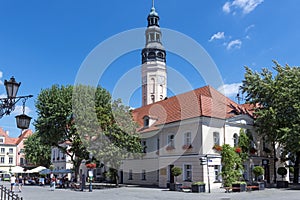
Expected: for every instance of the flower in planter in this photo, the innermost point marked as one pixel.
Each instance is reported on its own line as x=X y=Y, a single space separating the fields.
x=253 y=150
x=90 y=165
x=169 y=148
x=198 y=183
x=187 y=146
x=238 y=149
x=217 y=147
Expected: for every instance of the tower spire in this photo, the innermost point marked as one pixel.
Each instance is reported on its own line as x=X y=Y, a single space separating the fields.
x=154 y=73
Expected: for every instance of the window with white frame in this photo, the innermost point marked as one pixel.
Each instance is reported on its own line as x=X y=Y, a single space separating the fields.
x=216 y=136
x=1 y=140
x=2 y=159
x=217 y=171
x=235 y=140
x=187 y=172
x=2 y=150
x=130 y=174
x=143 y=174
x=11 y=150
x=10 y=160
x=53 y=154
x=188 y=138
x=171 y=140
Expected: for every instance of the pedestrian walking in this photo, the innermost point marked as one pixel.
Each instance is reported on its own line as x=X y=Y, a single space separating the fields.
x=52 y=183
x=20 y=183
x=12 y=182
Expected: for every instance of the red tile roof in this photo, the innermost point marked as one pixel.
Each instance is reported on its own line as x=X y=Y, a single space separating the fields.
x=205 y=101
x=14 y=141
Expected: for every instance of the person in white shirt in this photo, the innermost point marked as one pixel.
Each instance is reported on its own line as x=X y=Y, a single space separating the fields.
x=12 y=182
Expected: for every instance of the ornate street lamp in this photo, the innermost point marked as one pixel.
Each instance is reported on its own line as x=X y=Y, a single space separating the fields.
x=7 y=105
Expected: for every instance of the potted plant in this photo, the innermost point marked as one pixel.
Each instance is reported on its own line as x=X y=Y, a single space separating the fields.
x=282 y=171
x=198 y=187
x=175 y=171
x=258 y=171
x=239 y=186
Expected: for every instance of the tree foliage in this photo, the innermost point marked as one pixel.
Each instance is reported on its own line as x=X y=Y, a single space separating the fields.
x=36 y=152
x=106 y=127
x=86 y=118
x=231 y=165
x=54 y=123
x=277 y=100
x=244 y=144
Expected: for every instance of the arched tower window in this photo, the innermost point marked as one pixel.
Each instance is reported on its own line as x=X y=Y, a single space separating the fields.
x=152 y=98
x=152 y=81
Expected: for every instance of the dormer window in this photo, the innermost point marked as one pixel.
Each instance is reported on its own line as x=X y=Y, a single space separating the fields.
x=2 y=140
x=146 y=121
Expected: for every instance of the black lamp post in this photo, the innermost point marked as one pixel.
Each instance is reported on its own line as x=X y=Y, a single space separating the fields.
x=7 y=105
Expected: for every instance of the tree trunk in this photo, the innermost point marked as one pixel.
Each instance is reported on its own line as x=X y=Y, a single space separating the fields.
x=296 y=168
x=117 y=179
x=275 y=160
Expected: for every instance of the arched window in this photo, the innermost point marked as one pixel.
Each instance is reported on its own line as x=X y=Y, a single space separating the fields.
x=152 y=81
x=216 y=136
x=235 y=140
x=151 y=55
x=171 y=140
x=153 y=98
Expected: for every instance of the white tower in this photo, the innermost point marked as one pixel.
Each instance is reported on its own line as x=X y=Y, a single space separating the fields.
x=154 y=73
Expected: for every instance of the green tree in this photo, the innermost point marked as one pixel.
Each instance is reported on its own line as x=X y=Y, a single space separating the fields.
x=258 y=171
x=54 y=123
x=176 y=171
x=37 y=153
x=231 y=165
x=244 y=144
x=277 y=112
x=106 y=127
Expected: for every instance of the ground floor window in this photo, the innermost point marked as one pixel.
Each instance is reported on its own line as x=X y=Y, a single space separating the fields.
x=143 y=174
x=187 y=172
x=130 y=174
x=217 y=171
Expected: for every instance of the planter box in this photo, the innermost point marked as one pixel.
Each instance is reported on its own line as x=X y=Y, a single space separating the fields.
x=261 y=185
x=238 y=187
x=282 y=184
x=198 y=188
x=175 y=186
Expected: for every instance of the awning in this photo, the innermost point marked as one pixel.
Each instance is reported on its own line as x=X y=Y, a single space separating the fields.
x=61 y=171
x=17 y=169
x=36 y=170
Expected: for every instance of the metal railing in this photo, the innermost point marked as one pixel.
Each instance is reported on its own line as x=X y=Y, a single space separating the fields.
x=6 y=194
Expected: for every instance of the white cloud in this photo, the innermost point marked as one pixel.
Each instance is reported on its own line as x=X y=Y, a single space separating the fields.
x=19 y=110
x=230 y=90
x=234 y=44
x=249 y=27
x=246 y=6
x=217 y=36
x=226 y=7
x=1 y=75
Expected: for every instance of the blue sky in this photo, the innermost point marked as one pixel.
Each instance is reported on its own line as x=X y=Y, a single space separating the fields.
x=45 y=42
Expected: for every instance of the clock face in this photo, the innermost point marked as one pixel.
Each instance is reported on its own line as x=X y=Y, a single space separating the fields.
x=161 y=79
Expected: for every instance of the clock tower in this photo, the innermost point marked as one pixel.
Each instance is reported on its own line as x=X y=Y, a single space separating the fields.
x=154 y=72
